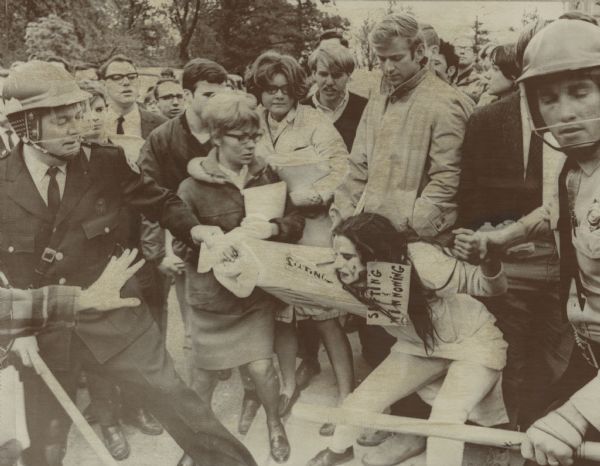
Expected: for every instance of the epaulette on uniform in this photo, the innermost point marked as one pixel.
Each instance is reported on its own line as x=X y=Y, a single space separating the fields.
x=4 y=153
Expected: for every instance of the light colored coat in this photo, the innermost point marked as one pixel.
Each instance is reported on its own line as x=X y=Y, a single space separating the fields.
x=406 y=156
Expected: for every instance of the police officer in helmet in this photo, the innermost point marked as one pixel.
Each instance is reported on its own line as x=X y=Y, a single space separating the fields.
x=62 y=217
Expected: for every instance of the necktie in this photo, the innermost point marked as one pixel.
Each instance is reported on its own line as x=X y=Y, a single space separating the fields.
x=53 y=191
x=9 y=137
x=120 y=121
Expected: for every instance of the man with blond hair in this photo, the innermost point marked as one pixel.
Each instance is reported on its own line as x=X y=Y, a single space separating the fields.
x=404 y=165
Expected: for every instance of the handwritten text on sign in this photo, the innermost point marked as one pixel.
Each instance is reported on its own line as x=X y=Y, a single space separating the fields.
x=388 y=285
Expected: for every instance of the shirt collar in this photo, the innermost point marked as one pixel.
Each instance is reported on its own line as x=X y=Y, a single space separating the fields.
x=589 y=166
x=408 y=85
x=37 y=168
x=342 y=103
x=132 y=115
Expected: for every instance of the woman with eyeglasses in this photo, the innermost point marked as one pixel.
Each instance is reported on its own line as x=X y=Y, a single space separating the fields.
x=311 y=156
x=228 y=331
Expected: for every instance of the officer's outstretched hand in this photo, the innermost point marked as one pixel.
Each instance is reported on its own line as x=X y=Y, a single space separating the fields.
x=554 y=439
x=105 y=293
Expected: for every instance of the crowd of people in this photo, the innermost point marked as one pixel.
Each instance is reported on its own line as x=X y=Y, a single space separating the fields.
x=478 y=170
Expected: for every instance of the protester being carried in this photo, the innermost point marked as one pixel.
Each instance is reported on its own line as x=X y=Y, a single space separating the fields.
x=445 y=338
x=228 y=331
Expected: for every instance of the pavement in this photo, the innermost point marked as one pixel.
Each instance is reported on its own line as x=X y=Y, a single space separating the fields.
x=303 y=435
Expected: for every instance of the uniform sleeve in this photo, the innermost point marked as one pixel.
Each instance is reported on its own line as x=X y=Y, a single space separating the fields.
x=24 y=312
x=447 y=275
x=587 y=401
x=156 y=203
x=435 y=208
x=330 y=146
x=468 y=198
x=346 y=197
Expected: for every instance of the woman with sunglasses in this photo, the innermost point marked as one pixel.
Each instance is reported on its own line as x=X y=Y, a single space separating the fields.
x=293 y=134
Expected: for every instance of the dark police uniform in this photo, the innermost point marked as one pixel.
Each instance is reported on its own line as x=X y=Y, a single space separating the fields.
x=91 y=225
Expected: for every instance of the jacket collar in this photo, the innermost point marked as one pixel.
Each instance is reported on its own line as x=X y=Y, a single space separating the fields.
x=210 y=164
x=408 y=85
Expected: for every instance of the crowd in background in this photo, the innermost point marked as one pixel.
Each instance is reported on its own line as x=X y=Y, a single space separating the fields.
x=442 y=149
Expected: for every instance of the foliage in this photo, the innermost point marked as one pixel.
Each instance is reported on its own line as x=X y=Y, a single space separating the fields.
x=480 y=35
x=50 y=35
x=367 y=57
x=530 y=17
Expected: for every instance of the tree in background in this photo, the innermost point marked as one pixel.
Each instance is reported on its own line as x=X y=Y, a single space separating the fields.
x=480 y=35
x=50 y=35
x=367 y=57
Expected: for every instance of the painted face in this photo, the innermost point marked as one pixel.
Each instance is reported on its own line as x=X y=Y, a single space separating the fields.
x=122 y=83
x=277 y=98
x=98 y=118
x=62 y=130
x=570 y=107
x=170 y=99
x=347 y=262
x=332 y=84
x=498 y=84
x=236 y=147
x=202 y=92
x=397 y=62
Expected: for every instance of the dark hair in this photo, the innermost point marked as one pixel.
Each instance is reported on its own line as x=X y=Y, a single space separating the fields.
x=202 y=69
x=447 y=50
x=525 y=37
x=504 y=57
x=376 y=239
x=95 y=88
x=114 y=59
x=270 y=63
x=57 y=59
x=333 y=34
x=580 y=15
x=168 y=73
x=162 y=81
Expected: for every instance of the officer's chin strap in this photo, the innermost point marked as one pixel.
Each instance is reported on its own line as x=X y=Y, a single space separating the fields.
x=545 y=134
x=37 y=146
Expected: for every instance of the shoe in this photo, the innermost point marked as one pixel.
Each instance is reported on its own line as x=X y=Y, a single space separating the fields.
x=330 y=458
x=327 y=429
x=224 y=375
x=286 y=402
x=89 y=414
x=145 y=422
x=305 y=372
x=395 y=450
x=278 y=441
x=116 y=442
x=250 y=405
x=372 y=438
x=186 y=460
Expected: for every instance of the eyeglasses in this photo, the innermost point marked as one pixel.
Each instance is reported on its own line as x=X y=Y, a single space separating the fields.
x=245 y=138
x=121 y=77
x=171 y=97
x=272 y=90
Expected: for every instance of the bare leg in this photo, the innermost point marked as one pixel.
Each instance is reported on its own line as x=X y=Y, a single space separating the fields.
x=265 y=381
x=340 y=354
x=465 y=385
x=204 y=383
x=286 y=347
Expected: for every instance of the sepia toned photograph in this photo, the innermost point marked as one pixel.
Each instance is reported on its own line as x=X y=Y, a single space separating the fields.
x=299 y=232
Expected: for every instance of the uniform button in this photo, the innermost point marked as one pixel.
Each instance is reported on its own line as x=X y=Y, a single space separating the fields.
x=106 y=230
x=59 y=256
x=54 y=230
x=11 y=249
x=62 y=281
